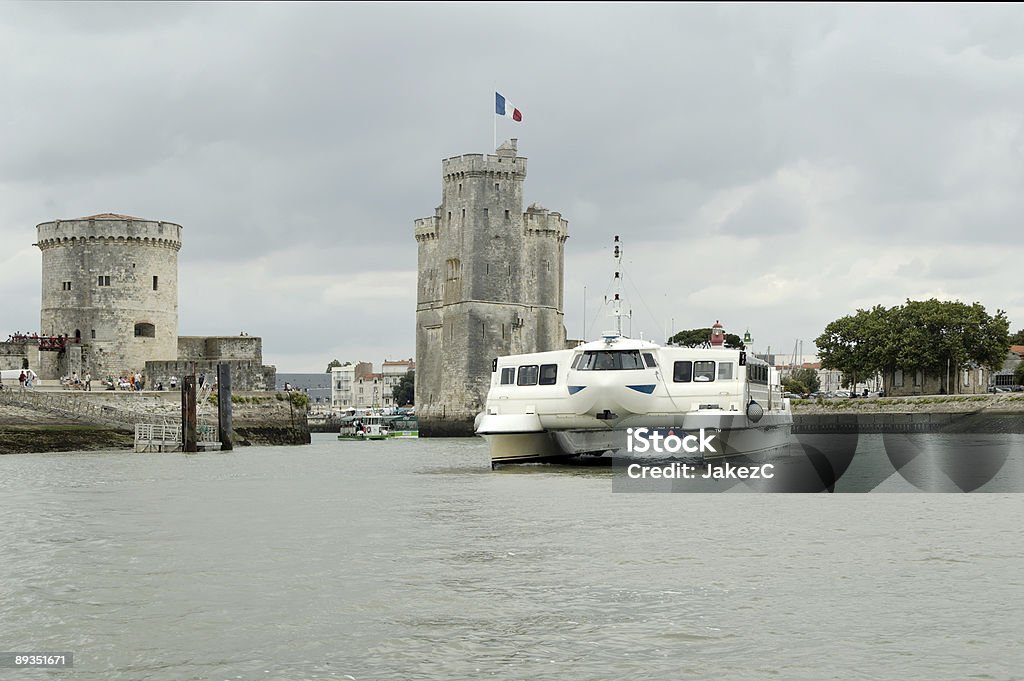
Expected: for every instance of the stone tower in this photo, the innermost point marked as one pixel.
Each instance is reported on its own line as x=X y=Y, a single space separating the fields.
x=110 y=283
x=490 y=282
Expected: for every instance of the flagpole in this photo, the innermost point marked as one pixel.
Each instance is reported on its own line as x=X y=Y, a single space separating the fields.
x=495 y=116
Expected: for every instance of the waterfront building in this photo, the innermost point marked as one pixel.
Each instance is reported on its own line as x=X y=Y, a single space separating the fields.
x=343 y=379
x=392 y=373
x=316 y=386
x=1007 y=374
x=971 y=380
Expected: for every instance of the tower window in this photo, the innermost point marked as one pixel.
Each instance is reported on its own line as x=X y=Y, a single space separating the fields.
x=485 y=212
x=103 y=280
x=460 y=189
x=508 y=215
x=463 y=213
x=495 y=186
x=66 y=286
x=145 y=330
x=93 y=334
x=154 y=282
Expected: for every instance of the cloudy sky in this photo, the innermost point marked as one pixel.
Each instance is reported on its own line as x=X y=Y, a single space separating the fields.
x=771 y=166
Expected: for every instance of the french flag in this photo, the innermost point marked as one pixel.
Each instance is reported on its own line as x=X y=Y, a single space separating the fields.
x=503 y=107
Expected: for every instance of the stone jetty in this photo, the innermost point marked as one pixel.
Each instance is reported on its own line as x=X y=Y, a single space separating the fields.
x=74 y=420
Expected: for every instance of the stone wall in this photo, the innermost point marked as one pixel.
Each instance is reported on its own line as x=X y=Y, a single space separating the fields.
x=245 y=374
x=15 y=355
x=220 y=348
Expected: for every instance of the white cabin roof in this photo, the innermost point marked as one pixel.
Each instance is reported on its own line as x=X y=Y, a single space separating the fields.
x=613 y=342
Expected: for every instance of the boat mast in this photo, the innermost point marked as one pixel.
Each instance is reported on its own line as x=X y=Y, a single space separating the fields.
x=617 y=301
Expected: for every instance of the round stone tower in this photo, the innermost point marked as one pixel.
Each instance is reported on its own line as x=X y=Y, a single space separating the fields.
x=110 y=285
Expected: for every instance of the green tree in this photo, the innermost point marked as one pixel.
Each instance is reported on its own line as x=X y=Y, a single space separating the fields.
x=697 y=337
x=1017 y=338
x=858 y=345
x=928 y=335
x=334 y=363
x=938 y=334
x=1018 y=374
x=405 y=392
x=299 y=399
x=802 y=381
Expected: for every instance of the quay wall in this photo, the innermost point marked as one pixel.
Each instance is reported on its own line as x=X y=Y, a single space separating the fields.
x=36 y=418
x=818 y=424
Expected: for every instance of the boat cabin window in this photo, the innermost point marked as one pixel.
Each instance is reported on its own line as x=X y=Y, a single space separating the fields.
x=611 y=360
x=725 y=371
x=703 y=371
x=575 y=361
x=649 y=361
x=508 y=375
x=682 y=372
x=548 y=374
x=528 y=375
x=757 y=373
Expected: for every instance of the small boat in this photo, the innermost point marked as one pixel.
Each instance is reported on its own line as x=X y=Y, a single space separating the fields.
x=402 y=425
x=364 y=427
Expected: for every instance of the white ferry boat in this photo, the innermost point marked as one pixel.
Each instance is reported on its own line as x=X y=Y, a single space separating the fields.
x=593 y=399
x=589 y=400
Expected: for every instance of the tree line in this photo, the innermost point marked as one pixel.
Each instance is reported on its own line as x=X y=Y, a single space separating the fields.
x=930 y=336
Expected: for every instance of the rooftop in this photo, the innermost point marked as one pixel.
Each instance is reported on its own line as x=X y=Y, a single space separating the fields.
x=109 y=216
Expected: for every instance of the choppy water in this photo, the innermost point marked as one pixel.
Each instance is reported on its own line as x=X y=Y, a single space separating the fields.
x=413 y=560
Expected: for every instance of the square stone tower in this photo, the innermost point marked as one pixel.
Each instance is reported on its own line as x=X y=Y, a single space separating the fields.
x=490 y=282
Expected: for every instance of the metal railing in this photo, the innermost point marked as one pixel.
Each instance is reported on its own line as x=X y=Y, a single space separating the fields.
x=71 y=405
x=166 y=436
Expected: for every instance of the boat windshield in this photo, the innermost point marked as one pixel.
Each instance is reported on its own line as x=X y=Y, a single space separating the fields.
x=610 y=360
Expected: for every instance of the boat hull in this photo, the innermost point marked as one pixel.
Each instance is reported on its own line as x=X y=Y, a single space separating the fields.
x=729 y=435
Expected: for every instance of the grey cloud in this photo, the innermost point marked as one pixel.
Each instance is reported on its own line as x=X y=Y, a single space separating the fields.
x=313 y=134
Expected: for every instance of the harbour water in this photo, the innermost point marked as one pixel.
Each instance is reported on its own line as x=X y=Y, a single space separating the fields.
x=412 y=559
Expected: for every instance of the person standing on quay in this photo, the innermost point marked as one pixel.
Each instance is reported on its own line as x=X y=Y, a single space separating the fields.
x=21 y=382
x=88 y=381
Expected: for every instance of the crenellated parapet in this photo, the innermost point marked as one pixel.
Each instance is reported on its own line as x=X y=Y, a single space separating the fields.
x=108 y=228
x=503 y=165
x=539 y=221
x=425 y=229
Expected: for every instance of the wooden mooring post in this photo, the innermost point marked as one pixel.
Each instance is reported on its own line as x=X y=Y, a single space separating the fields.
x=188 y=414
x=224 y=405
